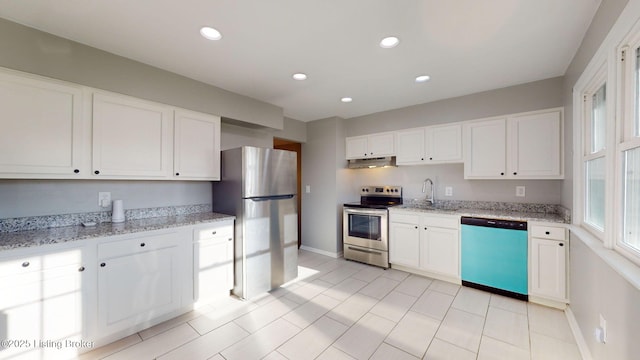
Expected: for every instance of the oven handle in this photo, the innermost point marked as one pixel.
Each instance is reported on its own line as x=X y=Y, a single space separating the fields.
x=365 y=251
x=360 y=211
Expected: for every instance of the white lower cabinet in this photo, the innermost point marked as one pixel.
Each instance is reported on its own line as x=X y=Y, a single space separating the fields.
x=548 y=263
x=404 y=240
x=42 y=303
x=140 y=278
x=428 y=244
x=213 y=261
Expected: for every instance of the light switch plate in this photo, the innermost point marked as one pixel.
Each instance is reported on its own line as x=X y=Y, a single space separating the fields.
x=307 y=189
x=520 y=191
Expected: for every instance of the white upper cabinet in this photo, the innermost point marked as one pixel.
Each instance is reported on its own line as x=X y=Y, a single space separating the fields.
x=40 y=128
x=485 y=149
x=196 y=146
x=526 y=146
x=430 y=145
x=132 y=138
x=536 y=150
x=370 y=146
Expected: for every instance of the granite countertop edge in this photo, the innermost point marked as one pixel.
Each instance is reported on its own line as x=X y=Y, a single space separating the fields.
x=494 y=214
x=56 y=235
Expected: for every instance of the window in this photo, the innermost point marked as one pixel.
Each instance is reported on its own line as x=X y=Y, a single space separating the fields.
x=630 y=152
x=594 y=159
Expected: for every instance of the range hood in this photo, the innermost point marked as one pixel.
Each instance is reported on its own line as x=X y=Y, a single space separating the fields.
x=372 y=162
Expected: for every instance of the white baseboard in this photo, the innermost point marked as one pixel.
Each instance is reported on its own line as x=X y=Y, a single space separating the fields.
x=322 y=252
x=577 y=334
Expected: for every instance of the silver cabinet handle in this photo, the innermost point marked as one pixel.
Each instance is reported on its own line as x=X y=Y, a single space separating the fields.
x=365 y=251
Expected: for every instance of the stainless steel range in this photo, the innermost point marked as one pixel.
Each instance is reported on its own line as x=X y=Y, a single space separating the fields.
x=366 y=225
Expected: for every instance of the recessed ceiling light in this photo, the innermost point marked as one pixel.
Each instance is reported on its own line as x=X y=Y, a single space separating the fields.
x=210 y=33
x=389 y=42
x=300 y=76
x=422 y=78
x=346 y=99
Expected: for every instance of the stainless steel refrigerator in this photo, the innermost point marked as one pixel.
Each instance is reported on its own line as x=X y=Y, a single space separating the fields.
x=258 y=186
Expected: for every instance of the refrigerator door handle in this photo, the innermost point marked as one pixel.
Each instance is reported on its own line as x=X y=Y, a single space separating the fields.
x=274 y=197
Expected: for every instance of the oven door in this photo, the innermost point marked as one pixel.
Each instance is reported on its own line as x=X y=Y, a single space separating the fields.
x=366 y=228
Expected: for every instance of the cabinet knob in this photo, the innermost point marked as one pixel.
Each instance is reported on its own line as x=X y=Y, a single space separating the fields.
x=371 y=153
x=25 y=264
x=142 y=244
x=81 y=269
x=430 y=158
x=425 y=228
x=76 y=171
x=561 y=244
x=416 y=227
x=365 y=154
x=547 y=232
x=177 y=174
x=96 y=172
x=103 y=264
x=230 y=239
x=502 y=173
x=515 y=173
x=421 y=159
x=214 y=232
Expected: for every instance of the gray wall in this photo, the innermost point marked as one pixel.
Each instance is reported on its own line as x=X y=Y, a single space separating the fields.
x=20 y=198
x=323 y=170
x=602 y=22
x=526 y=97
x=594 y=287
x=33 y=51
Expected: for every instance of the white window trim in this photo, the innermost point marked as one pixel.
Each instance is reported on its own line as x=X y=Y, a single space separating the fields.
x=608 y=53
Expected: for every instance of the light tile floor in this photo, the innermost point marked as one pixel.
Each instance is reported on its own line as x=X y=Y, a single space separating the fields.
x=338 y=309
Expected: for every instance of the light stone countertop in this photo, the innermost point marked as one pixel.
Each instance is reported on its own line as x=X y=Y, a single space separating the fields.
x=30 y=238
x=483 y=213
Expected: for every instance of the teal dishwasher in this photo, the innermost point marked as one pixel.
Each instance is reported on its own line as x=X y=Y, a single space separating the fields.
x=494 y=256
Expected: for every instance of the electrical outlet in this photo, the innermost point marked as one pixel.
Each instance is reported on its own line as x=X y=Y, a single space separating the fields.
x=104 y=199
x=448 y=191
x=520 y=191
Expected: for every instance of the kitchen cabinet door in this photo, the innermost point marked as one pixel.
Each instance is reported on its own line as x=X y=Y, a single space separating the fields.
x=485 y=149
x=213 y=262
x=535 y=149
x=370 y=146
x=132 y=138
x=548 y=269
x=404 y=244
x=357 y=147
x=444 y=144
x=42 y=302
x=196 y=146
x=411 y=147
x=440 y=250
x=41 y=132
x=136 y=285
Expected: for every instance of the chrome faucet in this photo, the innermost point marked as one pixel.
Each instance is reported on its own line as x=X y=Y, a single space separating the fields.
x=430 y=197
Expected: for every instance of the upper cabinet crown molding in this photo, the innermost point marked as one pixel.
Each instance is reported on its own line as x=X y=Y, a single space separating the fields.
x=518 y=146
x=53 y=129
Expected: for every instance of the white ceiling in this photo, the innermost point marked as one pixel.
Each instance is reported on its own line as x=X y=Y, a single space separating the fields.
x=466 y=46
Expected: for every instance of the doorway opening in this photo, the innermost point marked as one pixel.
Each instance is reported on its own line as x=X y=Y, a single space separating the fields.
x=283 y=144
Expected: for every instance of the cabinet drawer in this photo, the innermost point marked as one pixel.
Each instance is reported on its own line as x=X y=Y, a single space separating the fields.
x=26 y=264
x=441 y=222
x=405 y=218
x=548 y=232
x=220 y=232
x=137 y=245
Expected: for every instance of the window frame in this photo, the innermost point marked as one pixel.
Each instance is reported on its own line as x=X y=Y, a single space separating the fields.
x=628 y=129
x=597 y=80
